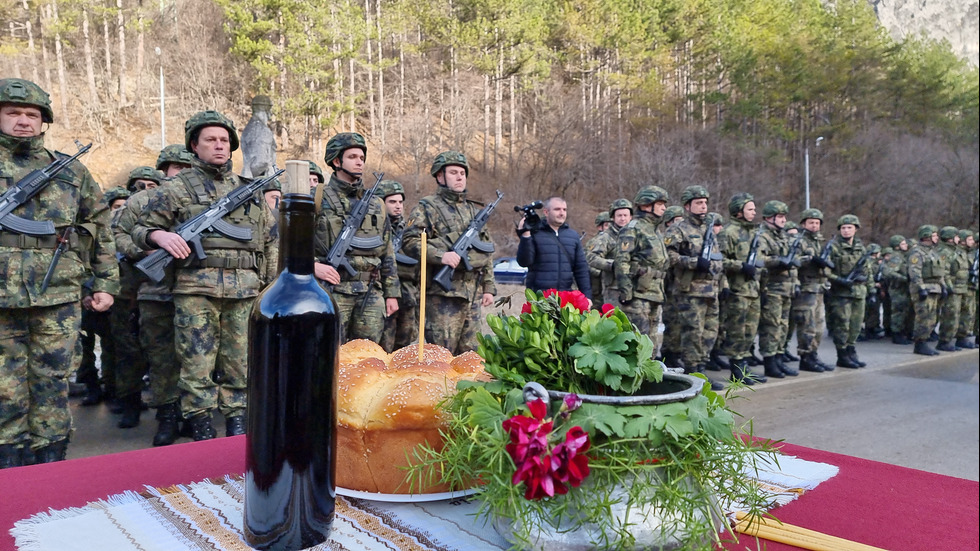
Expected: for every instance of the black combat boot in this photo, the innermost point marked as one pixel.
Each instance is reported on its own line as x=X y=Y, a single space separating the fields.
x=844 y=359
x=673 y=359
x=808 y=362
x=788 y=357
x=787 y=370
x=52 y=452
x=168 y=417
x=934 y=336
x=923 y=348
x=93 y=394
x=235 y=425
x=752 y=360
x=740 y=372
x=201 y=427
x=716 y=385
x=946 y=346
x=11 y=455
x=718 y=361
x=131 y=409
x=854 y=356
x=772 y=367
x=901 y=338
x=965 y=343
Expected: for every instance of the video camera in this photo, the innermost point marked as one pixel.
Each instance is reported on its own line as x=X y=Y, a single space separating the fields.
x=531 y=218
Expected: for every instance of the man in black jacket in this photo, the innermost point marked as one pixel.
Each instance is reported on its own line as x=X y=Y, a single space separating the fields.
x=553 y=253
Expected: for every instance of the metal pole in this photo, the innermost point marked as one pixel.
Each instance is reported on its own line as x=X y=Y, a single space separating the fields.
x=806 y=173
x=163 y=112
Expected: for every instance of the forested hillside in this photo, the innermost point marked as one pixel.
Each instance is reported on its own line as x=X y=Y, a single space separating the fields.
x=589 y=99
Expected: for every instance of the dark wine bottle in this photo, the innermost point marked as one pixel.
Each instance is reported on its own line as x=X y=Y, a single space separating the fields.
x=294 y=337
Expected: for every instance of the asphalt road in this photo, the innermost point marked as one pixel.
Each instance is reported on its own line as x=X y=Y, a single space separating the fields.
x=903 y=409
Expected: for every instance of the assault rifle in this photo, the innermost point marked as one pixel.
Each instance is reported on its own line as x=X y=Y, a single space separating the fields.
x=337 y=256
x=209 y=220
x=855 y=273
x=794 y=249
x=29 y=186
x=469 y=239
x=824 y=258
x=400 y=257
x=752 y=259
x=975 y=269
x=708 y=247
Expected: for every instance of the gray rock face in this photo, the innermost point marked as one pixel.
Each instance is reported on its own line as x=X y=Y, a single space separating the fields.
x=953 y=20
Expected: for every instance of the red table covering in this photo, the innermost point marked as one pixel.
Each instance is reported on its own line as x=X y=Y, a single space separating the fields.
x=883 y=505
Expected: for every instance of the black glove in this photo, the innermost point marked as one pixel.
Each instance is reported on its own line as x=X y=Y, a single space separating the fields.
x=923 y=294
x=945 y=292
x=725 y=293
x=748 y=270
x=795 y=262
x=861 y=279
x=704 y=265
x=843 y=281
x=819 y=261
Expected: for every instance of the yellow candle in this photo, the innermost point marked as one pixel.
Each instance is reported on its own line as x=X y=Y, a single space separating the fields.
x=422 y=262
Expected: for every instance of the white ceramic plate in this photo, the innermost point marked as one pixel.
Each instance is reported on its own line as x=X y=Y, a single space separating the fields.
x=404 y=498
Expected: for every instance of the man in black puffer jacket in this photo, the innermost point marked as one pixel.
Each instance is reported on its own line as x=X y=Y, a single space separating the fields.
x=553 y=253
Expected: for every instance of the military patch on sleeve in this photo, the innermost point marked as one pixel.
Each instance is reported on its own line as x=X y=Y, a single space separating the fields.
x=668 y=240
x=914 y=260
x=624 y=245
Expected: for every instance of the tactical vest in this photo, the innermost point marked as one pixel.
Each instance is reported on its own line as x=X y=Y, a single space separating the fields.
x=240 y=254
x=368 y=246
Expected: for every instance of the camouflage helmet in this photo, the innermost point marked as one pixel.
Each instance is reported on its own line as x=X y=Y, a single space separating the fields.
x=315 y=170
x=673 y=212
x=948 y=232
x=811 y=213
x=602 y=218
x=926 y=231
x=620 y=204
x=895 y=241
x=143 y=173
x=790 y=225
x=387 y=188
x=25 y=92
x=114 y=194
x=649 y=195
x=874 y=248
x=174 y=153
x=964 y=235
x=738 y=202
x=204 y=119
x=719 y=219
x=342 y=142
x=848 y=219
x=887 y=251
x=691 y=193
x=772 y=208
x=449 y=158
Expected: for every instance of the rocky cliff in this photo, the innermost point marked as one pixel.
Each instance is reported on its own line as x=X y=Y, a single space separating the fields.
x=953 y=20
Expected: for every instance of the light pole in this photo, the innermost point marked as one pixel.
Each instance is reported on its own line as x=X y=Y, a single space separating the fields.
x=163 y=111
x=806 y=169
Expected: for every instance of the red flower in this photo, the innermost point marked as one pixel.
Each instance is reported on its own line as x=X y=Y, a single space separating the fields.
x=572 y=465
x=607 y=310
x=526 y=309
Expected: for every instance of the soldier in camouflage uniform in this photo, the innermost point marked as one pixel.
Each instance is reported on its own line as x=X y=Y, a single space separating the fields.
x=594 y=248
x=873 y=327
x=778 y=285
x=807 y=306
x=601 y=249
x=741 y=309
x=967 y=303
x=401 y=329
x=213 y=296
x=850 y=283
x=38 y=331
x=641 y=263
x=957 y=265
x=896 y=281
x=126 y=312
x=316 y=177
x=671 y=345
x=927 y=274
x=172 y=159
x=452 y=317
x=713 y=332
x=366 y=298
x=695 y=287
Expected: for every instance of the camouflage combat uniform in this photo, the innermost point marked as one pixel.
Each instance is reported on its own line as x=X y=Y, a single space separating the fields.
x=777 y=288
x=38 y=331
x=968 y=310
x=846 y=300
x=452 y=318
x=212 y=297
x=131 y=364
x=742 y=310
x=640 y=266
x=957 y=266
x=402 y=329
x=927 y=274
x=807 y=307
x=600 y=253
x=361 y=297
x=695 y=289
x=896 y=280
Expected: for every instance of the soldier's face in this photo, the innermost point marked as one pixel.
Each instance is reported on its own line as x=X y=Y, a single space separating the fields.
x=778 y=221
x=622 y=217
x=903 y=246
x=455 y=178
x=351 y=160
x=935 y=238
x=174 y=168
x=698 y=206
x=21 y=121
x=748 y=211
x=213 y=145
x=659 y=208
x=395 y=205
x=272 y=198
x=146 y=184
x=812 y=224
x=603 y=226
x=847 y=231
x=716 y=228
x=970 y=242
x=117 y=204
x=314 y=180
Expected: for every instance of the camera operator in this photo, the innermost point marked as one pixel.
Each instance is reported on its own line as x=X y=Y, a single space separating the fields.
x=552 y=252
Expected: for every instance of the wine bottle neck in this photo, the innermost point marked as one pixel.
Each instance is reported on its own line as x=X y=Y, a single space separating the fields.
x=296 y=225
